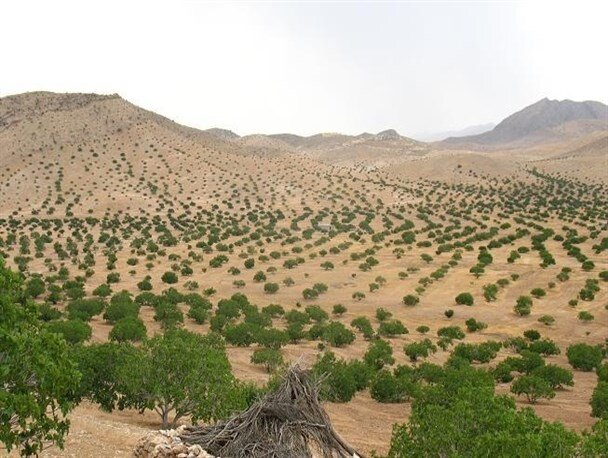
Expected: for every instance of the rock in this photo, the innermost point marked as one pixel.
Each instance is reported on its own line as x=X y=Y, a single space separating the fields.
x=167 y=444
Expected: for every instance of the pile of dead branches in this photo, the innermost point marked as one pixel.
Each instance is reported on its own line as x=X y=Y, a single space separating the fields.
x=288 y=422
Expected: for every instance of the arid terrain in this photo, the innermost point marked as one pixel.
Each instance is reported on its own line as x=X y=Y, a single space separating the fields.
x=96 y=191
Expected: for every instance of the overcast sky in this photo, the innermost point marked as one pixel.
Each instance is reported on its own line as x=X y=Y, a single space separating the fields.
x=311 y=67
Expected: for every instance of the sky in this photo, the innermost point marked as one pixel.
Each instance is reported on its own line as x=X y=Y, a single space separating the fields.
x=309 y=67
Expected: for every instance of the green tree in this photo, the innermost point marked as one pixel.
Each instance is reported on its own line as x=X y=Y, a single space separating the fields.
x=387 y=388
x=379 y=354
x=85 y=309
x=584 y=357
x=462 y=417
x=73 y=331
x=35 y=287
x=533 y=387
x=99 y=365
x=128 y=329
x=181 y=373
x=599 y=400
x=270 y=358
x=392 y=328
x=121 y=305
x=37 y=376
x=337 y=335
x=363 y=325
x=557 y=377
x=416 y=350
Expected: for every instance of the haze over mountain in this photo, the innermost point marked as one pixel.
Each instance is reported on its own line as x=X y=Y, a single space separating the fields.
x=467 y=131
x=545 y=120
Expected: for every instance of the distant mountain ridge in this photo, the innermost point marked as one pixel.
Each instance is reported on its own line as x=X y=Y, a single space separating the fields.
x=466 y=132
x=539 y=121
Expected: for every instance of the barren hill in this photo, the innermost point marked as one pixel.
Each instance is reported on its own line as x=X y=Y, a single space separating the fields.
x=544 y=121
x=91 y=155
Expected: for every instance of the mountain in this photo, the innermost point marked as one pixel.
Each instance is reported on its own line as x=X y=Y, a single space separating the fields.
x=544 y=121
x=223 y=134
x=467 y=131
x=79 y=154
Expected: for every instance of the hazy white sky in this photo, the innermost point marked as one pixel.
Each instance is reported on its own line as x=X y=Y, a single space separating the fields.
x=311 y=67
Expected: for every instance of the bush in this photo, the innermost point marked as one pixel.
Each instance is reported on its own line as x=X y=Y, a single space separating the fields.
x=271 y=288
x=128 y=329
x=35 y=287
x=490 y=291
x=538 y=293
x=120 y=308
x=340 y=380
x=47 y=312
x=145 y=285
x=259 y=277
x=379 y=354
x=73 y=331
x=241 y=335
x=416 y=350
x=599 y=401
x=316 y=313
x=584 y=357
x=392 y=328
x=198 y=313
x=363 y=325
x=544 y=347
x=464 y=299
x=473 y=325
x=295 y=316
x=532 y=334
x=523 y=306
x=168 y=314
x=383 y=314
x=310 y=294
x=273 y=310
x=169 y=277
x=411 y=300
x=338 y=310
x=588 y=265
x=602 y=372
x=483 y=352
x=387 y=388
x=272 y=338
x=85 y=309
x=451 y=332
x=585 y=316
x=547 y=320
x=113 y=277
x=102 y=290
x=337 y=335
